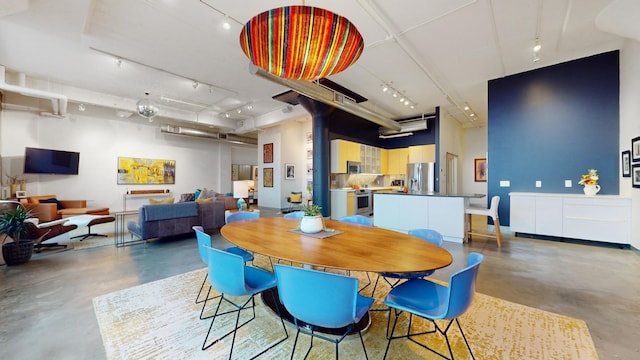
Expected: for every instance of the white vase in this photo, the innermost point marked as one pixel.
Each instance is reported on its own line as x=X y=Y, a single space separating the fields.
x=591 y=190
x=311 y=224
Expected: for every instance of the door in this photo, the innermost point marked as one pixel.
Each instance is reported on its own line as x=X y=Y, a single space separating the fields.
x=451 y=174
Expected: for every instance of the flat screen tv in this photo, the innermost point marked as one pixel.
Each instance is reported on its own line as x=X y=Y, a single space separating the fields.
x=47 y=161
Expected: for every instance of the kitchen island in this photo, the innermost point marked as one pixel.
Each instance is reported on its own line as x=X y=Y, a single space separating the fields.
x=442 y=212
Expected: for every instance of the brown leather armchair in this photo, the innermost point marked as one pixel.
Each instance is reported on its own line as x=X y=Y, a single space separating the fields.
x=43 y=232
x=49 y=207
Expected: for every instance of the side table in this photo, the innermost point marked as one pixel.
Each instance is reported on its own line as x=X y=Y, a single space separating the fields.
x=120 y=226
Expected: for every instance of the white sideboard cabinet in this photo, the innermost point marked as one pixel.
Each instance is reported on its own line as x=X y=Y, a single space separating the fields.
x=605 y=218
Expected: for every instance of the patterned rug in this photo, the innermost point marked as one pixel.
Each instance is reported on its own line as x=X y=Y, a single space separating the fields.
x=159 y=320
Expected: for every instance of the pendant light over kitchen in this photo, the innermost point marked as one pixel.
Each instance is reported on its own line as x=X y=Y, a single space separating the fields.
x=301 y=42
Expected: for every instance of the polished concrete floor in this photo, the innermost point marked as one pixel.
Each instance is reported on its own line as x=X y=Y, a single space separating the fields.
x=46 y=307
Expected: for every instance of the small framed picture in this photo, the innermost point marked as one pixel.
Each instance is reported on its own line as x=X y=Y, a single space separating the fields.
x=289 y=171
x=626 y=163
x=635 y=149
x=267 y=153
x=635 y=175
x=480 y=169
x=21 y=194
x=267 y=177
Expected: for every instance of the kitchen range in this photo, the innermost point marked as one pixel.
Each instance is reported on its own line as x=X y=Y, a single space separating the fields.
x=363 y=202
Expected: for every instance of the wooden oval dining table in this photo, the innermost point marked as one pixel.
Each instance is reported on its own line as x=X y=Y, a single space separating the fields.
x=350 y=247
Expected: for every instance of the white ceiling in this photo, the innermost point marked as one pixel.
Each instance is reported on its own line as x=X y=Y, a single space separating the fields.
x=436 y=52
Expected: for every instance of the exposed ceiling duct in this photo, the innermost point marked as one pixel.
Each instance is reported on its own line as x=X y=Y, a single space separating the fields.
x=232 y=138
x=58 y=101
x=327 y=96
x=407 y=126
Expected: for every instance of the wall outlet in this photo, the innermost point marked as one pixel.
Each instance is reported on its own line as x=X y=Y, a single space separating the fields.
x=505 y=183
x=538 y=183
x=567 y=183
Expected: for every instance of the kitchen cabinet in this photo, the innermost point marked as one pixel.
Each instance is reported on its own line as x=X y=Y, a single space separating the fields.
x=341 y=152
x=342 y=203
x=605 y=218
x=397 y=161
x=370 y=159
x=384 y=161
x=422 y=153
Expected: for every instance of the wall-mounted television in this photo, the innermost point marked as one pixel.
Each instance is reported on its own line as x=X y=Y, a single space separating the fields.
x=47 y=161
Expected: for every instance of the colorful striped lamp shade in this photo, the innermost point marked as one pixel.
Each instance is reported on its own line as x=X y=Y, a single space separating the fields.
x=301 y=42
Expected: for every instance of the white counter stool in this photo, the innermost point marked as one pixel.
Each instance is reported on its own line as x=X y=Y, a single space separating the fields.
x=490 y=212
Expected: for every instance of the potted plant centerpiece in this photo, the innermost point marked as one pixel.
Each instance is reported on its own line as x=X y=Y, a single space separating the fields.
x=12 y=226
x=311 y=221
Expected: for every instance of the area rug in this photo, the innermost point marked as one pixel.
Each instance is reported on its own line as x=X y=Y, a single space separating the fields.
x=159 y=320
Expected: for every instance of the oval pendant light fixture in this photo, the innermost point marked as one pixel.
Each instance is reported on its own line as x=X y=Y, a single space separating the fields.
x=301 y=42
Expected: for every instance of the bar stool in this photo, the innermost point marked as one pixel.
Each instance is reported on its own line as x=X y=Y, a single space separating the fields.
x=492 y=212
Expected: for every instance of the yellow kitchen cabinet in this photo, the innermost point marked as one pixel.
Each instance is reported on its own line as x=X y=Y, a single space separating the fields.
x=397 y=161
x=341 y=152
x=384 y=161
x=422 y=153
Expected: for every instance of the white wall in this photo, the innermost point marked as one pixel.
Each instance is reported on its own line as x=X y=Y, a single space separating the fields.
x=451 y=134
x=199 y=162
x=629 y=124
x=475 y=146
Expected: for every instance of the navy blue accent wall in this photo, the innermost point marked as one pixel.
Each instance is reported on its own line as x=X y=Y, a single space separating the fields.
x=552 y=125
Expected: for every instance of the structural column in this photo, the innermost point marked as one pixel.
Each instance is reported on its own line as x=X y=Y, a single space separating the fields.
x=320 y=113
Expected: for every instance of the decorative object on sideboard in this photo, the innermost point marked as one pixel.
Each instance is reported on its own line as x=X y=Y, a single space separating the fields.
x=241 y=191
x=590 y=182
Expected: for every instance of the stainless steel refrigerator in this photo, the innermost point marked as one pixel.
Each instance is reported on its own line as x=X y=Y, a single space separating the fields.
x=421 y=177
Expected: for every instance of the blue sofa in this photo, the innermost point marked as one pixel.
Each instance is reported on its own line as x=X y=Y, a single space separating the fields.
x=164 y=220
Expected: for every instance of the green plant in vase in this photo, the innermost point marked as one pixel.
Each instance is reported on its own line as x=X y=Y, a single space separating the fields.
x=13 y=225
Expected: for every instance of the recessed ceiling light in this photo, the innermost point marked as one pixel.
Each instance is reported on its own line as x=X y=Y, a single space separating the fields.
x=226 y=24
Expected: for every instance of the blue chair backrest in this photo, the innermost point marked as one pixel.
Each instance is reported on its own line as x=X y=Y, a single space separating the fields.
x=357 y=219
x=294 y=215
x=226 y=272
x=242 y=215
x=203 y=239
x=317 y=297
x=462 y=286
x=431 y=236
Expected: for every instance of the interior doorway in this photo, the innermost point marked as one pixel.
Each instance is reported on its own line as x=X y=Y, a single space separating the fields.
x=451 y=173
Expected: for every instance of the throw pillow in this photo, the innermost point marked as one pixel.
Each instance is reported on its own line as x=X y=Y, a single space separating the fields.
x=59 y=205
x=204 y=200
x=164 y=201
x=187 y=197
x=296 y=198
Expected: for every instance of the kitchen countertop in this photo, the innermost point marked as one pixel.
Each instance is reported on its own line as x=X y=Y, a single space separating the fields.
x=475 y=196
x=371 y=188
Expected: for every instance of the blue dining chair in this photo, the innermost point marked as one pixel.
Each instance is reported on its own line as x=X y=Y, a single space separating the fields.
x=320 y=299
x=294 y=215
x=242 y=215
x=432 y=301
x=429 y=235
x=204 y=239
x=357 y=219
x=229 y=275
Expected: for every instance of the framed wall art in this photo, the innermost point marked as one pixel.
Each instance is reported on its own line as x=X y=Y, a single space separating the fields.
x=141 y=171
x=635 y=149
x=267 y=177
x=480 y=169
x=289 y=171
x=267 y=153
x=626 y=163
x=635 y=175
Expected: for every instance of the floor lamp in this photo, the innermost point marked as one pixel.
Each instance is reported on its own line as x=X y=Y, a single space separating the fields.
x=241 y=191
